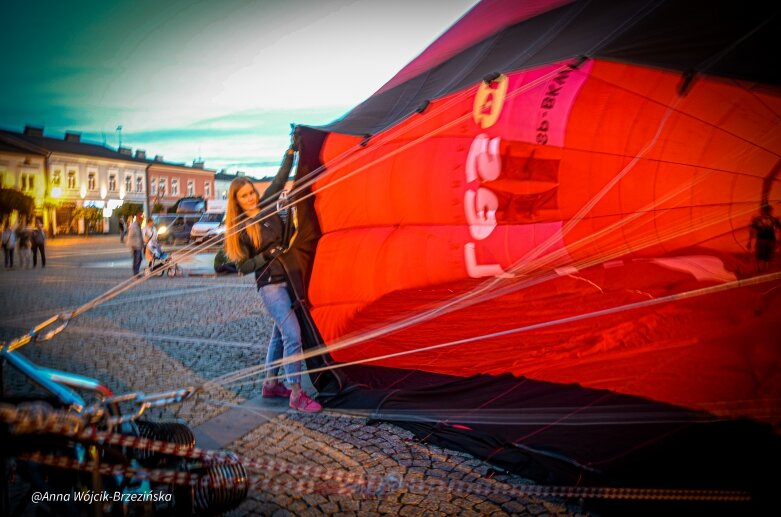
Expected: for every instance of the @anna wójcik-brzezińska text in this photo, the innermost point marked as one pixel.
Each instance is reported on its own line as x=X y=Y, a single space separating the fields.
x=104 y=496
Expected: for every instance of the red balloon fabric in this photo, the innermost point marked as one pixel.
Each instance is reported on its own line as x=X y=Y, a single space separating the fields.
x=543 y=195
x=532 y=244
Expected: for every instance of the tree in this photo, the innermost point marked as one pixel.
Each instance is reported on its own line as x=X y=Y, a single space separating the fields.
x=93 y=218
x=12 y=200
x=128 y=210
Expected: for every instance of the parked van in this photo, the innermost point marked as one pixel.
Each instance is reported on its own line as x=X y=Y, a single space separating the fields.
x=211 y=223
x=174 y=228
x=190 y=205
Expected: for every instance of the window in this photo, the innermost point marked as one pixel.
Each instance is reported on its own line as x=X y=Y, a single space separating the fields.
x=112 y=182
x=57 y=178
x=139 y=184
x=128 y=183
x=91 y=183
x=190 y=188
x=72 y=184
x=175 y=187
x=27 y=182
x=161 y=187
x=207 y=190
x=153 y=186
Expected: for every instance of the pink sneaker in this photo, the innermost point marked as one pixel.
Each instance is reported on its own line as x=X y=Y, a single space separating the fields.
x=305 y=404
x=275 y=390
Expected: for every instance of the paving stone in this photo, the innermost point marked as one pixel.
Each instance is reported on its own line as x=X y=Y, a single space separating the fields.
x=329 y=508
x=348 y=505
x=430 y=505
x=486 y=508
x=411 y=499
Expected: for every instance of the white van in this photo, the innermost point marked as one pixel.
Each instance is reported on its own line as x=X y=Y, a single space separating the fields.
x=211 y=223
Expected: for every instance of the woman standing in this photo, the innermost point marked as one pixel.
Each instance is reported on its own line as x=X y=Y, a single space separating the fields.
x=254 y=240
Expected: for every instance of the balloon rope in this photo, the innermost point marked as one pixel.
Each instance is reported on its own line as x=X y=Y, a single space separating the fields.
x=509 y=287
x=569 y=319
x=536 y=252
x=330 y=168
x=235 y=228
x=490 y=283
x=684 y=228
x=523 y=283
x=506 y=290
x=38 y=419
x=624 y=414
x=527 y=260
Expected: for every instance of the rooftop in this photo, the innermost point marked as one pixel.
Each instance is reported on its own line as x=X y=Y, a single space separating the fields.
x=32 y=140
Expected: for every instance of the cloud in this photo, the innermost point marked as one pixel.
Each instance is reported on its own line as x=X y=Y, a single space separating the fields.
x=195 y=78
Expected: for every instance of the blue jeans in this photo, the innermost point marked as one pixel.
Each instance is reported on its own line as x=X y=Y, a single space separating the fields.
x=137 y=254
x=286 y=336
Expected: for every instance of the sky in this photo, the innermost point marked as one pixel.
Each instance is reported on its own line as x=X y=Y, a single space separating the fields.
x=219 y=81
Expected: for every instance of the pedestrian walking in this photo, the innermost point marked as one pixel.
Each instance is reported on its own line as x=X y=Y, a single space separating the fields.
x=135 y=241
x=38 y=245
x=121 y=229
x=9 y=245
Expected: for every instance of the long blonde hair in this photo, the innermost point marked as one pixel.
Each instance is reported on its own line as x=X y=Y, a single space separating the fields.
x=234 y=217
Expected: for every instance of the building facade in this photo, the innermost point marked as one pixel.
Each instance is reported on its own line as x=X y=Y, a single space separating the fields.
x=169 y=182
x=22 y=167
x=65 y=174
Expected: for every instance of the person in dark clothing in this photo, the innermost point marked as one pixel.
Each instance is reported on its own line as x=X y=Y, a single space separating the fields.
x=254 y=241
x=9 y=245
x=763 y=229
x=121 y=229
x=38 y=242
x=24 y=241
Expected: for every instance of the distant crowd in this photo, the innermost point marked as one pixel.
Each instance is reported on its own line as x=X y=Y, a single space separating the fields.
x=24 y=243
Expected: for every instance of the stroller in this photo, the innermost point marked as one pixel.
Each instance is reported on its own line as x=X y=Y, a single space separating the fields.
x=161 y=262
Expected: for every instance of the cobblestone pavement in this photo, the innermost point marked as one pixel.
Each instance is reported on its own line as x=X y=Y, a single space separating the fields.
x=170 y=333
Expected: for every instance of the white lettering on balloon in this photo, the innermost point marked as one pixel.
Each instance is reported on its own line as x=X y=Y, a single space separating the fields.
x=483 y=163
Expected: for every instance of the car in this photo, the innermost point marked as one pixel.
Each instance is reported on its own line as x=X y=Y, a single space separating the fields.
x=216 y=235
x=208 y=227
x=174 y=228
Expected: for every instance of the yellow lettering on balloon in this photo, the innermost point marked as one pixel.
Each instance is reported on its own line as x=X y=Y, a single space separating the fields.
x=489 y=101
